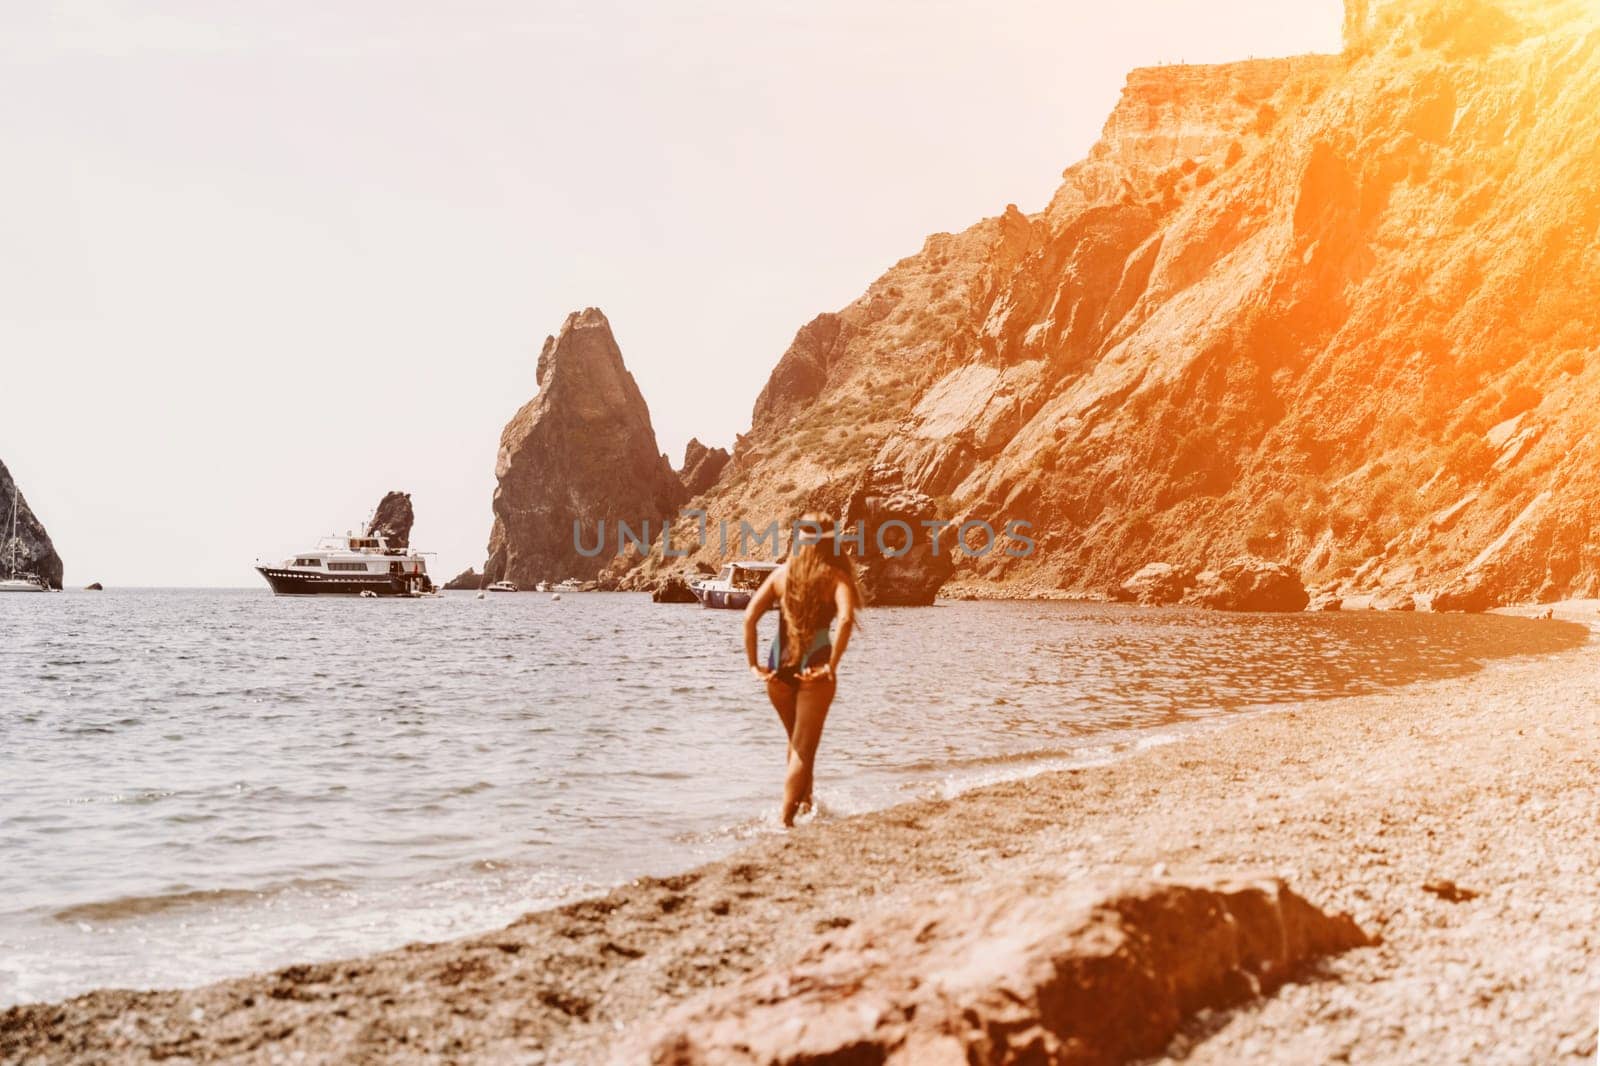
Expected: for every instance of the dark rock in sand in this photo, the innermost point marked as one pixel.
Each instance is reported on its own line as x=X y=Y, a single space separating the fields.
x=701 y=467
x=1157 y=585
x=467 y=580
x=673 y=590
x=1027 y=973
x=881 y=497
x=393 y=519
x=1250 y=585
x=35 y=555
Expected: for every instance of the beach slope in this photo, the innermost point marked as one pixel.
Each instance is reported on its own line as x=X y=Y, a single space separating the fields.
x=1454 y=821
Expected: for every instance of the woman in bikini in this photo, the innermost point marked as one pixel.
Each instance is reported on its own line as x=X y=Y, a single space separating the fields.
x=816 y=586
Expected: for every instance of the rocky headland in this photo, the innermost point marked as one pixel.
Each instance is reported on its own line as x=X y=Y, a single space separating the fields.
x=1330 y=313
x=34 y=554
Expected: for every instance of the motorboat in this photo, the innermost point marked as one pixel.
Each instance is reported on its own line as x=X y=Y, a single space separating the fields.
x=504 y=586
x=733 y=586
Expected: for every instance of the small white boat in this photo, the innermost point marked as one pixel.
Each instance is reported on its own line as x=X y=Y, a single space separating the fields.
x=571 y=584
x=13 y=582
x=504 y=586
x=732 y=588
x=543 y=586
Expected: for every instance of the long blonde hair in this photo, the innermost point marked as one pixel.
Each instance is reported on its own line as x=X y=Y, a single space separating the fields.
x=816 y=565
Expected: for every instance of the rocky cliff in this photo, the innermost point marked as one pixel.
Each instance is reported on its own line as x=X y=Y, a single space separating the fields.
x=1329 y=312
x=393 y=519
x=701 y=467
x=34 y=554
x=583 y=451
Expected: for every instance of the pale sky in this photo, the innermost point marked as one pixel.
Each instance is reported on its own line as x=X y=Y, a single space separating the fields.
x=263 y=262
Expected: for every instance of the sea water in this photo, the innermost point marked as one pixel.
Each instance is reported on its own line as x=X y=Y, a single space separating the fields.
x=200 y=784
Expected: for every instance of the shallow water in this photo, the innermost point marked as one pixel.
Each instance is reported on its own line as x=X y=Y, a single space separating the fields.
x=199 y=784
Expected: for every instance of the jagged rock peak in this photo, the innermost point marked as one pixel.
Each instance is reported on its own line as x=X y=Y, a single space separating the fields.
x=701 y=467
x=34 y=554
x=393 y=519
x=583 y=450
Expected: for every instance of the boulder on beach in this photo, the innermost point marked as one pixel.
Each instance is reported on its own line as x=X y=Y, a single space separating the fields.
x=1250 y=584
x=1046 y=972
x=673 y=589
x=903 y=575
x=1157 y=585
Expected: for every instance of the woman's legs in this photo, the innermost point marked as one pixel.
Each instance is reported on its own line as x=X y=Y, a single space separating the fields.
x=811 y=712
x=784 y=696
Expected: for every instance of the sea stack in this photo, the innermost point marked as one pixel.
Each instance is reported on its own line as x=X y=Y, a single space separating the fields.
x=581 y=451
x=393 y=520
x=34 y=554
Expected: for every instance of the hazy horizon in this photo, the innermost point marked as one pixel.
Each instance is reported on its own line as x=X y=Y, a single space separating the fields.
x=264 y=270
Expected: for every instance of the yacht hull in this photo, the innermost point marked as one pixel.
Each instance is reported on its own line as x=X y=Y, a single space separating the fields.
x=18 y=585
x=301 y=583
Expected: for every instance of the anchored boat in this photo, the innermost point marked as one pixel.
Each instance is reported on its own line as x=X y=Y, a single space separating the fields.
x=732 y=588
x=351 y=566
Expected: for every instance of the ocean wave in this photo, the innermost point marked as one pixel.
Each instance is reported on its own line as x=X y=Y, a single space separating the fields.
x=122 y=908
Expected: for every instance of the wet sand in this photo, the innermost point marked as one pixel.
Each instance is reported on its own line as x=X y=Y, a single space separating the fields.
x=1490 y=783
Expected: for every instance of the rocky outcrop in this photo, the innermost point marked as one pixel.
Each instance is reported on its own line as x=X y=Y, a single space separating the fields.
x=900 y=562
x=673 y=589
x=1331 y=311
x=393 y=519
x=469 y=579
x=1157 y=585
x=30 y=552
x=582 y=451
x=1036 y=973
x=701 y=467
x=1250 y=585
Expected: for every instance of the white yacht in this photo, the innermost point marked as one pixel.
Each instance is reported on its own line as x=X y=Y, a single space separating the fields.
x=571 y=584
x=351 y=565
x=13 y=582
x=504 y=586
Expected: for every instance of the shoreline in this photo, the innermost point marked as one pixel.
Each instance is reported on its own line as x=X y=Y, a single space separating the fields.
x=1356 y=802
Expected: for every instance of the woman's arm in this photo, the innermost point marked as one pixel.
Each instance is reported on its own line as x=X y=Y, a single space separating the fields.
x=845 y=601
x=760 y=603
